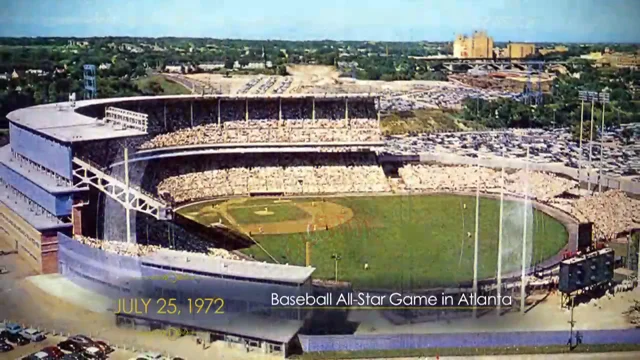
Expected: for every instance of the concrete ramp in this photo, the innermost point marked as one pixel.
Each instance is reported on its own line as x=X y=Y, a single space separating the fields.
x=66 y=290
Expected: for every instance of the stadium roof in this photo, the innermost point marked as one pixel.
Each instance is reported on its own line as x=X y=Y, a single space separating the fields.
x=62 y=122
x=231 y=268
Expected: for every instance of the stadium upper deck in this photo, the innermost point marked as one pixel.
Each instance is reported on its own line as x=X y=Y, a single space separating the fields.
x=71 y=124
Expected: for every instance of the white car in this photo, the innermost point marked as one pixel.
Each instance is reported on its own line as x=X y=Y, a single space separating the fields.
x=39 y=355
x=149 y=356
x=93 y=353
x=33 y=335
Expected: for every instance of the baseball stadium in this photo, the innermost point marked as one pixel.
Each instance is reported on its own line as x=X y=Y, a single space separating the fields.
x=252 y=194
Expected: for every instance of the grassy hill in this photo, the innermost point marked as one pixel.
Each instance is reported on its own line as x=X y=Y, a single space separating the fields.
x=421 y=121
x=153 y=84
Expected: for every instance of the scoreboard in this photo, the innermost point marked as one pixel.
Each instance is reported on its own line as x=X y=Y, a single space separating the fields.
x=586 y=270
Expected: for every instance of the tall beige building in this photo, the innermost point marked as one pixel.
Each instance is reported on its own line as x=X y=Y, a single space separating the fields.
x=478 y=46
x=520 y=50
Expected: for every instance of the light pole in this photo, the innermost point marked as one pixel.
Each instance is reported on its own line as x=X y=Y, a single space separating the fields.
x=523 y=285
x=475 y=243
x=604 y=99
x=337 y=258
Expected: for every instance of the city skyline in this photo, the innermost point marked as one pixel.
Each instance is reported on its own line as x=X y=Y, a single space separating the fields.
x=586 y=21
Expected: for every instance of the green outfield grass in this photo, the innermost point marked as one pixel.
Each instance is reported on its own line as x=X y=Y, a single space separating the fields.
x=412 y=241
x=246 y=213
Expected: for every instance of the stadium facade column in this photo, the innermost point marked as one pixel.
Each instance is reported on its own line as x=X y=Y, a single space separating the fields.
x=313 y=108
x=191 y=113
x=346 y=110
x=246 y=110
x=378 y=112
x=165 y=114
x=76 y=217
x=280 y=109
x=219 y=101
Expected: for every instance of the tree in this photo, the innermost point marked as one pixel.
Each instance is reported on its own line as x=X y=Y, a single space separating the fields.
x=627 y=135
x=586 y=131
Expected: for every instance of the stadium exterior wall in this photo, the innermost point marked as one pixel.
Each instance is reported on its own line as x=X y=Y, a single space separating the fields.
x=626 y=186
x=116 y=275
x=48 y=153
x=324 y=343
x=56 y=204
x=39 y=250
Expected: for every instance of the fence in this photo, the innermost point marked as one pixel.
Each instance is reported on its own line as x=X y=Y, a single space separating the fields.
x=67 y=330
x=464 y=340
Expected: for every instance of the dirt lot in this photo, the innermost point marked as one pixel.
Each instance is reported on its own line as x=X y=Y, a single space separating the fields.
x=313 y=79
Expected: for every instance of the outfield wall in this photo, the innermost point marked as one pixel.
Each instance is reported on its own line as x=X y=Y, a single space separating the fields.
x=462 y=340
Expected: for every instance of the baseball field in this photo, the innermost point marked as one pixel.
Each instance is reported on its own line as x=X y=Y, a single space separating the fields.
x=388 y=242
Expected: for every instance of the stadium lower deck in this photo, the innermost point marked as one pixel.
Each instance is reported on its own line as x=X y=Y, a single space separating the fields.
x=308 y=146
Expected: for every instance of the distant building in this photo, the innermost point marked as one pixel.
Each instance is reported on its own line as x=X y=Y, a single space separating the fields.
x=477 y=46
x=104 y=66
x=620 y=60
x=14 y=75
x=173 y=68
x=592 y=56
x=211 y=66
x=4 y=76
x=557 y=49
x=37 y=72
x=520 y=50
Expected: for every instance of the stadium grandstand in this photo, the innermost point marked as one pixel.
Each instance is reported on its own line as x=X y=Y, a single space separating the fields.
x=92 y=190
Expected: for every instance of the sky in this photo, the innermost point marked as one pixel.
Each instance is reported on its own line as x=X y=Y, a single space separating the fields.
x=374 y=20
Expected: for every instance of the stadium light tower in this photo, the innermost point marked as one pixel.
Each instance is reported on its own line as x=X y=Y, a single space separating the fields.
x=604 y=99
x=475 y=243
x=523 y=285
x=582 y=95
x=499 y=277
x=593 y=97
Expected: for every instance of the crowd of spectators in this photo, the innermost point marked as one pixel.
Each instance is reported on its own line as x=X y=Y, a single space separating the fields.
x=537 y=185
x=270 y=131
x=308 y=174
x=138 y=249
x=611 y=213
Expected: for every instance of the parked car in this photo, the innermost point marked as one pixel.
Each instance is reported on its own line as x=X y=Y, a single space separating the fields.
x=73 y=357
x=70 y=346
x=53 y=352
x=94 y=353
x=149 y=356
x=13 y=328
x=82 y=340
x=33 y=335
x=4 y=334
x=4 y=347
x=104 y=347
x=17 y=339
x=40 y=355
